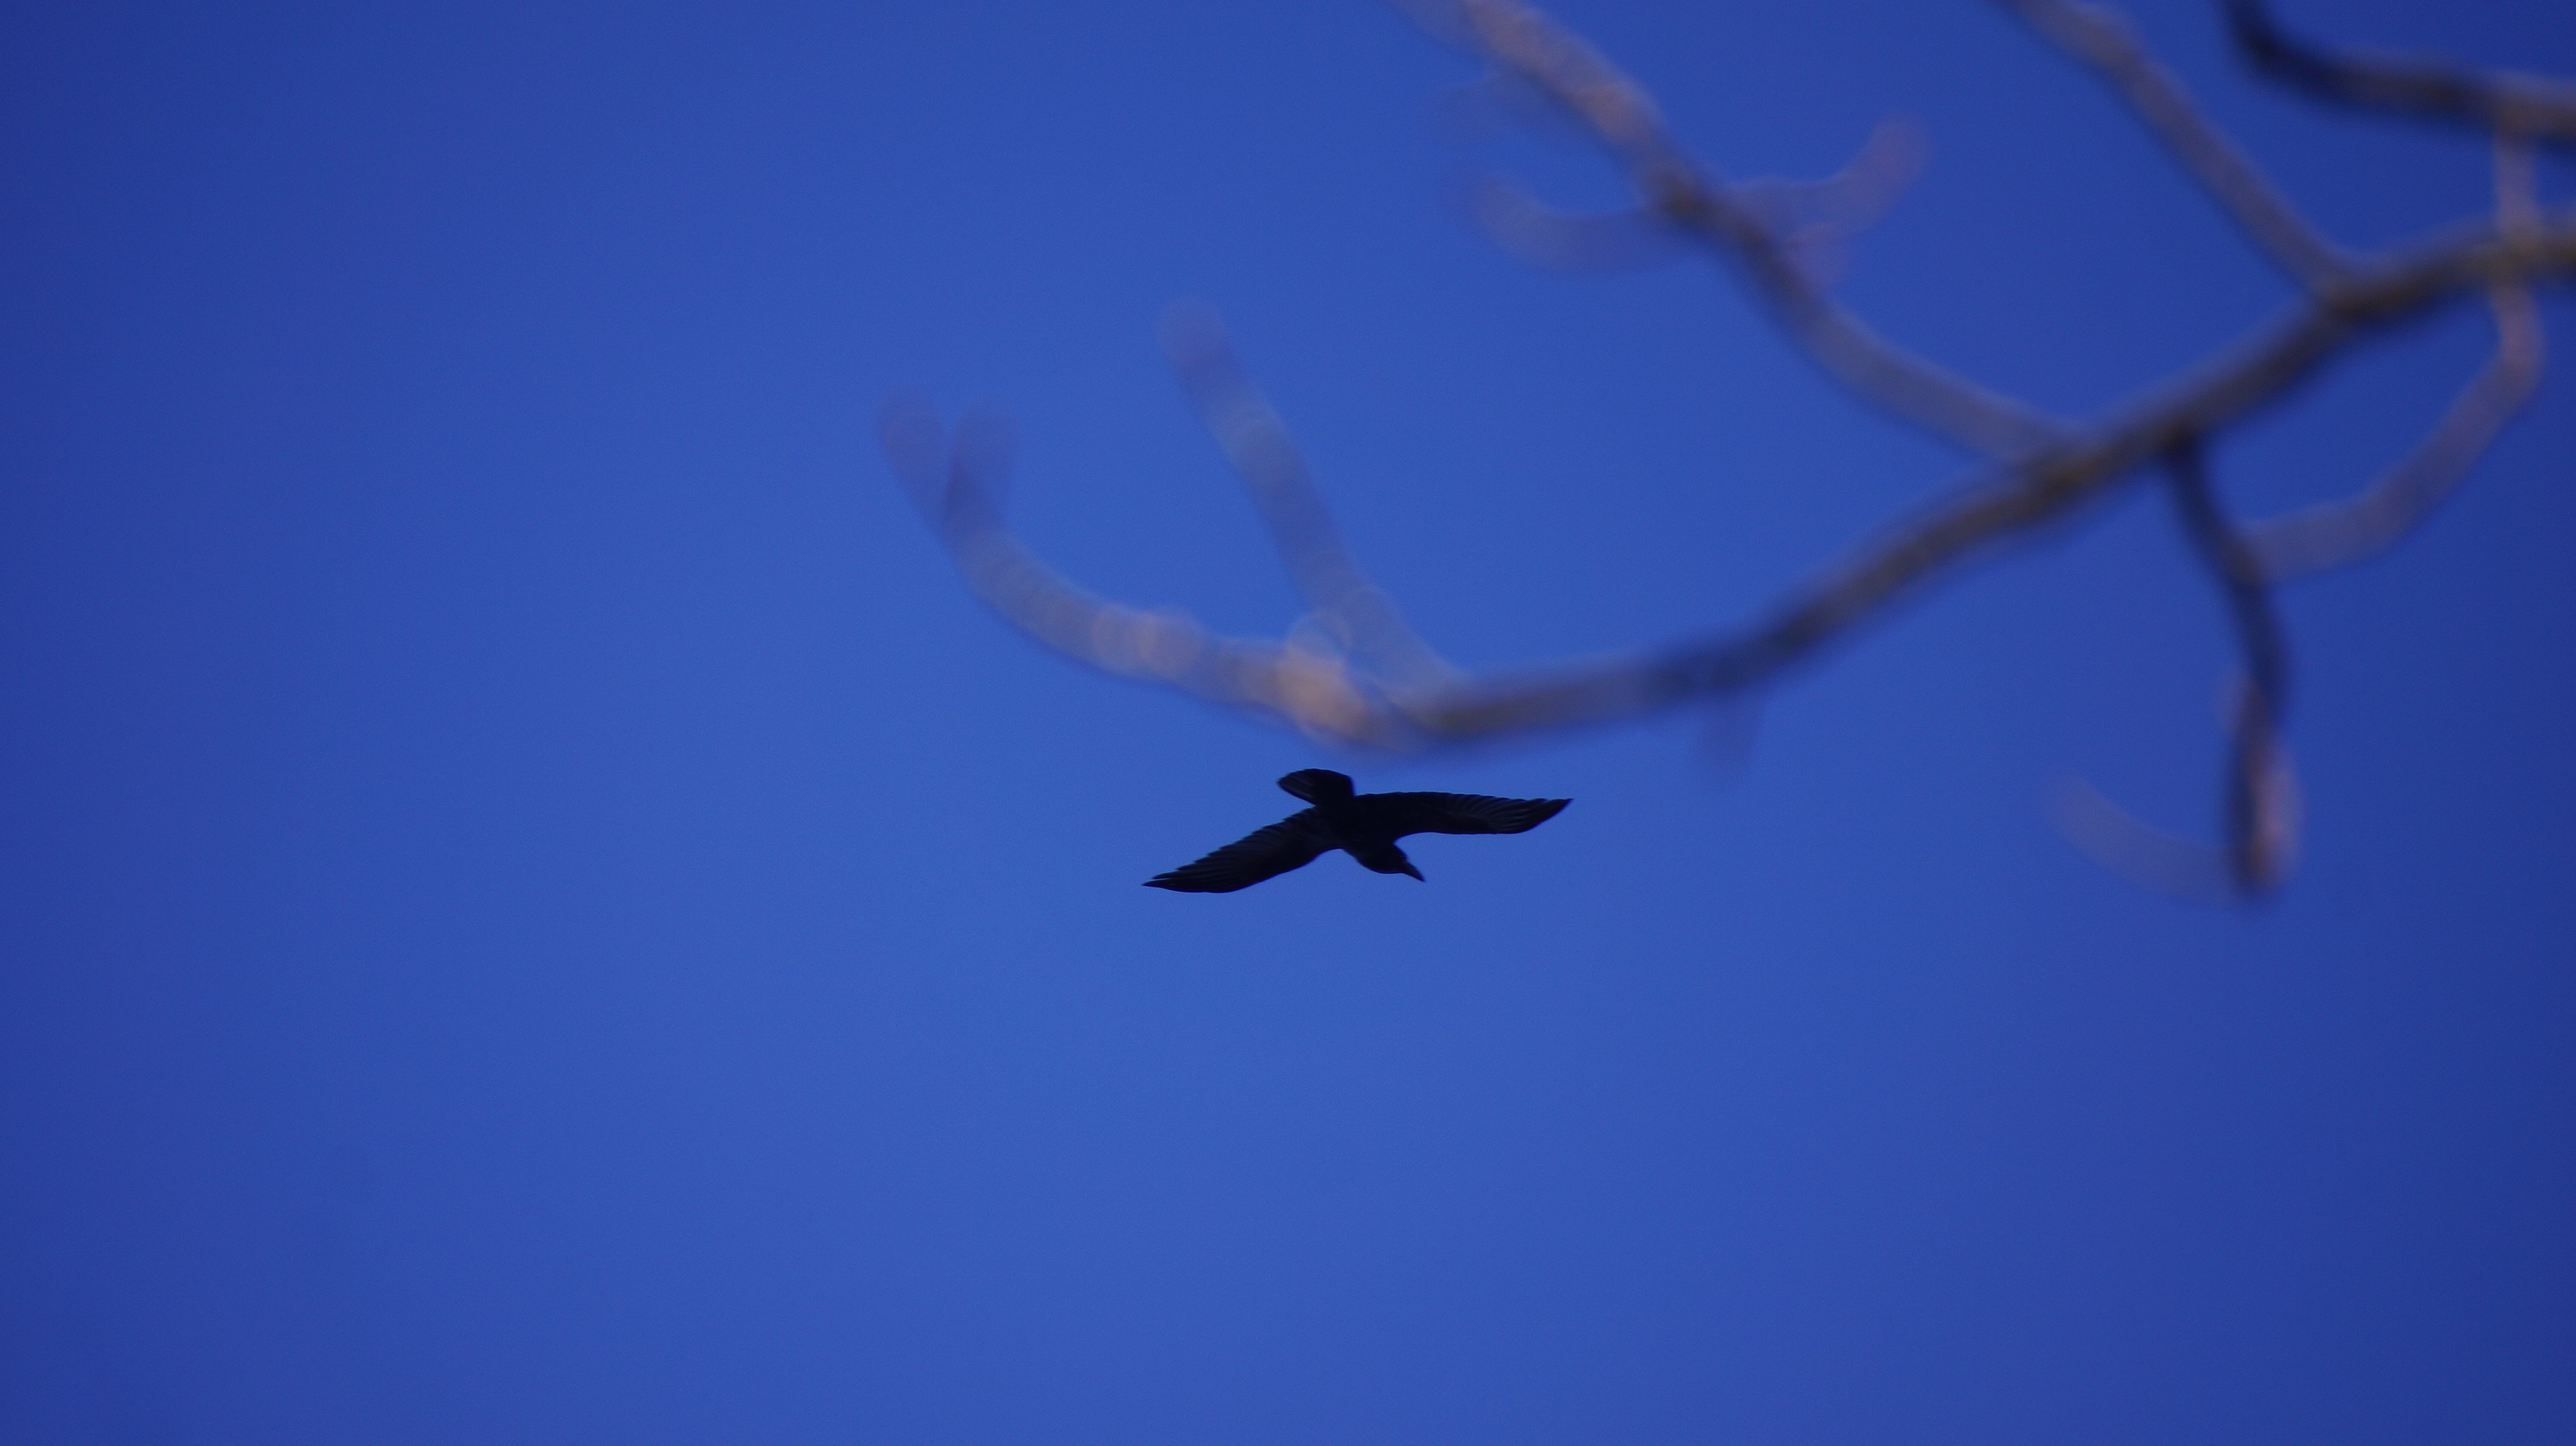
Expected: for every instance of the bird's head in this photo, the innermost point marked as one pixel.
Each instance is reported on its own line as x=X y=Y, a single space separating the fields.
x=1317 y=785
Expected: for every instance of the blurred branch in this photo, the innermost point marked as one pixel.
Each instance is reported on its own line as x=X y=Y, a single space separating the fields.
x=2260 y=798
x=2103 y=39
x=1355 y=673
x=2259 y=842
x=1289 y=679
x=2534 y=106
x=2010 y=502
x=2337 y=534
x=1813 y=218
x=1359 y=615
x=1543 y=235
x=1852 y=199
x=2260 y=838
x=1619 y=114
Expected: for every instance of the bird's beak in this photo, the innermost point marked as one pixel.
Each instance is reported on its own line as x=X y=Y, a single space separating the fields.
x=1417 y=873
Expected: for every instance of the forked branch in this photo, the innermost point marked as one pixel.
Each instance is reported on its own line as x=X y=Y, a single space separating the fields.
x=1355 y=673
x=1729 y=222
x=2259 y=795
x=2338 y=534
x=2102 y=38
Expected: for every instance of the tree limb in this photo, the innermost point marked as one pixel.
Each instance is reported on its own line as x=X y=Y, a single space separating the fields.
x=1357 y=674
x=2529 y=105
x=2103 y=39
x=2259 y=844
x=1521 y=40
x=1359 y=615
x=2338 y=534
x=2260 y=796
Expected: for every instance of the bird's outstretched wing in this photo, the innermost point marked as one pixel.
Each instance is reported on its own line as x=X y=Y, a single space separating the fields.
x=1291 y=843
x=1404 y=813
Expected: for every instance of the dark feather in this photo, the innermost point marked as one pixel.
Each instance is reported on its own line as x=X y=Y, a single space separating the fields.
x=1291 y=843
x=1403 y=813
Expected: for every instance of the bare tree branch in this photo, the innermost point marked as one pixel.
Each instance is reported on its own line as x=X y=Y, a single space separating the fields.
x=2260 y=797
x=2138 y=852
x=2103 y=39
x=2258 y=847
x=2011 y=502
x=1359 y=615
x=1356 y=674
x=1814 y=219
x=1520 y=40
x=2338 y=534
x=1533 y=231
x=1290 y=680
x=2541 y=108
x=1852 y=199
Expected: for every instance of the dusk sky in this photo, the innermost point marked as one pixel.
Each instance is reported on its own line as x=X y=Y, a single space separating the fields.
x=539 y=909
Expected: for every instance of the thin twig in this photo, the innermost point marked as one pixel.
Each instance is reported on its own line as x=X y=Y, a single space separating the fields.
x=2259 y=845
x=2538 y=107
x=1620 y=114
x=2259 y=798
x=1356 y=611
x=1535 y=232
x=2103 y=39
x=1307 y=687
x=2340 y=533
x=1813 y=218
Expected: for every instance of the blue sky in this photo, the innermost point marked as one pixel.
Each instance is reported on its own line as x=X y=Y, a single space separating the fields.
x=541 y=911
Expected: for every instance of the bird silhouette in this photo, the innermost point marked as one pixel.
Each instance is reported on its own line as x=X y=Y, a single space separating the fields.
x=1364 y=825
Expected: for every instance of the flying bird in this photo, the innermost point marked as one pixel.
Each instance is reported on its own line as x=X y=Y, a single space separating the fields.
x=1364 y=825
